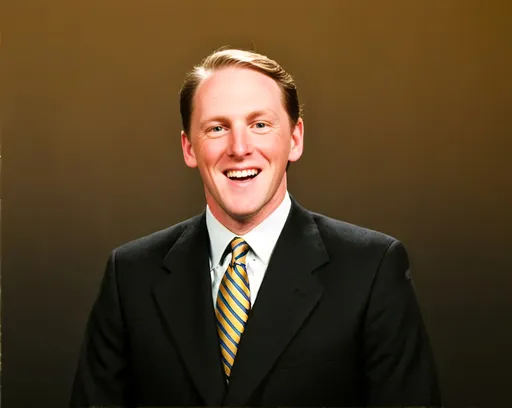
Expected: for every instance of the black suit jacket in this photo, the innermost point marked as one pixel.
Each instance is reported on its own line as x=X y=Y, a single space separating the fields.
x=336 y=323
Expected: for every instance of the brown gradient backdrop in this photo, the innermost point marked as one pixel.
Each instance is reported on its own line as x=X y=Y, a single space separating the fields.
x=408 y=127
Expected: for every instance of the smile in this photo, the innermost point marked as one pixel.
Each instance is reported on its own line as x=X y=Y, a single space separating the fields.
x=242 y=175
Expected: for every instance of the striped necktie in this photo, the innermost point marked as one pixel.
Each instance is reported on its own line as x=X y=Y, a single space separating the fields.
x=233 y=304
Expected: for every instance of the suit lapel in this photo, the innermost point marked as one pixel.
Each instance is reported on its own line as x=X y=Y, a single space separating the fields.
x=185 y=301
x=287 y=296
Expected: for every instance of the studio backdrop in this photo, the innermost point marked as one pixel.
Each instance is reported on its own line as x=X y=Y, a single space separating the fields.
x=407 y=130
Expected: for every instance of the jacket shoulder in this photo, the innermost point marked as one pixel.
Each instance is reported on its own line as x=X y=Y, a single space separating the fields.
x=157 y=243
x=342 y=232
x=358 y=247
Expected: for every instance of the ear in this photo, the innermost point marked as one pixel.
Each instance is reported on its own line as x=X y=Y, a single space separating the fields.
x=188 y=151
x=297 y=141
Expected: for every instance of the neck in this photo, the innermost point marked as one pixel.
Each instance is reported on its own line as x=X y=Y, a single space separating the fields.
x=241 y=225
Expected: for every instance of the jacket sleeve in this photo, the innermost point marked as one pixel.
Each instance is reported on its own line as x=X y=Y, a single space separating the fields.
x=102 y=376
x=400 y=368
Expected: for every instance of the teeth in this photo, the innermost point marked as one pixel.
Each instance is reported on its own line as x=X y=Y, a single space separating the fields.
x=241 y=173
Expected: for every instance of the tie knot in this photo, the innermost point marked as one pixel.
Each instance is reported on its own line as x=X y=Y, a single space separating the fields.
x=239 y=249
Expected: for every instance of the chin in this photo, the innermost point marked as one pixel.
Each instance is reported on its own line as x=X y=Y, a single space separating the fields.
x=242 y=213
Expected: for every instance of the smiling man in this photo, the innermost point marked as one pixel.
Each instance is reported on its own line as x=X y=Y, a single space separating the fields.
x=257 y=301
x=241 y=139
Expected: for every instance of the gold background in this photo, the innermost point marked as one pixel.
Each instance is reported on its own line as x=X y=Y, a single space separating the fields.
x=408 y=127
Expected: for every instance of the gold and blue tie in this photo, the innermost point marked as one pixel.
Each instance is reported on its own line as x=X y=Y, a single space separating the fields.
x=233 y=304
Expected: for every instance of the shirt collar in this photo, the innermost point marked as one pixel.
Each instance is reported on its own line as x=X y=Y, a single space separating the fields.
x=261 y=238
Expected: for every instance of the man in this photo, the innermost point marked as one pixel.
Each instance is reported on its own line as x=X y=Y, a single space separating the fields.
x=257 y=301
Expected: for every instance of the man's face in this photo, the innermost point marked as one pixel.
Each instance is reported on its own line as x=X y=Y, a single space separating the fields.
x=241 y=140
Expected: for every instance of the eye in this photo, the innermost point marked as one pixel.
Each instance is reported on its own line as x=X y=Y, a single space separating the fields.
x=261 y=127
x=216 y=131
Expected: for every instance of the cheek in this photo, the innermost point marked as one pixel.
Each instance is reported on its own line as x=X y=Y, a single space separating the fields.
x=275 y=147
x=211 y=153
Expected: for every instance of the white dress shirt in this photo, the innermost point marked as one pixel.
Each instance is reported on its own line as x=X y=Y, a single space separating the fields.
x=262 y=240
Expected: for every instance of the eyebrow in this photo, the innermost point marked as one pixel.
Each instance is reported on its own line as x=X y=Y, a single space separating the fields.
x=250 y=116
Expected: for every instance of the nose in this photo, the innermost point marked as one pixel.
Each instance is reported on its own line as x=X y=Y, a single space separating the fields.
x=239 y=142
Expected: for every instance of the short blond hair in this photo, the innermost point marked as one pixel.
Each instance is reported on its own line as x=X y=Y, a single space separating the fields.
x=225 y=58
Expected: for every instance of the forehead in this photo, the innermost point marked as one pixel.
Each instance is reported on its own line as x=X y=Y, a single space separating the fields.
x=236 y=91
